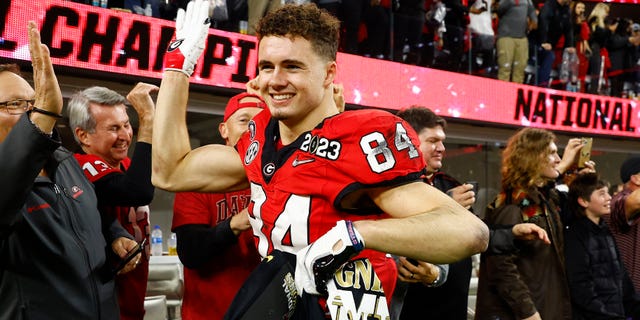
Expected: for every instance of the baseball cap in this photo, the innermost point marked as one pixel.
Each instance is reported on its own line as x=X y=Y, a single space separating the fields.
x=234 y=104
x=629 y=167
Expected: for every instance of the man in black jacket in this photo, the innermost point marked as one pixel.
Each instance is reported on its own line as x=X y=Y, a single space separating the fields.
x=52 y=247
x=448 y=300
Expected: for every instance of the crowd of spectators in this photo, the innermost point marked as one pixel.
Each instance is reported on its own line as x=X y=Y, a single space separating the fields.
x=482 y=37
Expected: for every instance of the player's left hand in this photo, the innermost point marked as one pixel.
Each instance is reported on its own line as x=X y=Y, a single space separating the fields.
x=316 y=263
x=192 y=27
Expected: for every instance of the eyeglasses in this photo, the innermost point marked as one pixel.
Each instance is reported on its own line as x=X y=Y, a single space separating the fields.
x=17 y=106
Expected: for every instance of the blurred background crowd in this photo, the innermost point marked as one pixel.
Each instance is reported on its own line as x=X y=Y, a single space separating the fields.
x=570 y=45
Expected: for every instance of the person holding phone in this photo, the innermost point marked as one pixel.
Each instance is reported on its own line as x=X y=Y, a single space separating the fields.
x=426 y=281
x=100 y=124
x=529 y=283
x=447 y=300
x=52 y=243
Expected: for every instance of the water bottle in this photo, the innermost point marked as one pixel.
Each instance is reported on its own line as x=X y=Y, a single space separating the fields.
x=148 y=11
x=172 y=244
x=156 y=241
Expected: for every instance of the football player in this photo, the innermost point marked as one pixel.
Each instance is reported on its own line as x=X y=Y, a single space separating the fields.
x=319 y=180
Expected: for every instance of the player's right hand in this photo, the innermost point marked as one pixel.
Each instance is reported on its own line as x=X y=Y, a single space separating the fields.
x=192 y=28
x=317 y=263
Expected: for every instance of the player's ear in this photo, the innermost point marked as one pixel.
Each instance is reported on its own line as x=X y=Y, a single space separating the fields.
x=331 y=69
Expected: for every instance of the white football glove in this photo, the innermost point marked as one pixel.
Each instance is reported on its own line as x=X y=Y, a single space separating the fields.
x=316 y=263
x=192 y=28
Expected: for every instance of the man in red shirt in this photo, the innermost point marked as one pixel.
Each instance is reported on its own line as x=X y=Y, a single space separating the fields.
x=98 y=118
x=217 y=254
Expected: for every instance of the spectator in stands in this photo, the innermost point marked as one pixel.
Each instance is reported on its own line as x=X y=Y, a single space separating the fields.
x=256 y=9
x=409 y=19
x=482 y=36
x=621 y=46
x=634 y=78
x=597 y=41
x=456 y=25
x=554 y=21
x=600 y=286
x=623 y=220
x=100 y=124
x=515 y=17
x=376 y=17
x=350 y=13
x=217 y=253
x=581 y=34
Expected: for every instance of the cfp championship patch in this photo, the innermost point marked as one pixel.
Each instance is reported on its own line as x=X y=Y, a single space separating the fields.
x=356 y=292
x=252 y=129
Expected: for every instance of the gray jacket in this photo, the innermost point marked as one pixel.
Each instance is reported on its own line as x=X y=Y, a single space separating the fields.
x=52 y=247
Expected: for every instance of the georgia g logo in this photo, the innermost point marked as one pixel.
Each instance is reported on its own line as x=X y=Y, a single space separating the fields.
x=175 y=44
x=251 y=153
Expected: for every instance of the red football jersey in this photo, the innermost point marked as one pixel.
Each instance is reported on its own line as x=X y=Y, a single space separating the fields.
x=210 y=289
x=300 y=191
x=132 y=286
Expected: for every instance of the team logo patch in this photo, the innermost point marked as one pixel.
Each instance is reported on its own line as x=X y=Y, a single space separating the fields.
x=252 y=129
x=76 y=192
x=269 y=169
x=251 y=153
x=174 y=45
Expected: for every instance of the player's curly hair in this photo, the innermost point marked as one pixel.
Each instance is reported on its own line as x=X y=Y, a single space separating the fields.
x=307 y=21
x=524 y=158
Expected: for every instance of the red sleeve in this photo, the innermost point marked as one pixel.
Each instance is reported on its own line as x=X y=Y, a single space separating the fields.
x=195 y=208
x=584 y=31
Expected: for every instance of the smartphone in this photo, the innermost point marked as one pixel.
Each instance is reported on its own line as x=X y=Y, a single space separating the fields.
x=475 y=186
x=130 y=255
x=413 y=261
x=585 y=152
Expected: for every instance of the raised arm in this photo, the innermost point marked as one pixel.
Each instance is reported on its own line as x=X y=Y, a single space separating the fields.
x=427 y=225
x=212 y=168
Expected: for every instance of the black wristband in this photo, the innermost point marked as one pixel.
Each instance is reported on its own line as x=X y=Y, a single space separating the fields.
x=48 y=113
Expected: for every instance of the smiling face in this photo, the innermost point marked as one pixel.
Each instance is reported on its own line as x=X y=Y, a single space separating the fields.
x=238 y=122
x=598 y=204
x=294 y=80
x=551 y=160
x=112 y=136
x=432 y=147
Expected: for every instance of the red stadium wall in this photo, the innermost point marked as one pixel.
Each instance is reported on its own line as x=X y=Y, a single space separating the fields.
x=92 y=40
